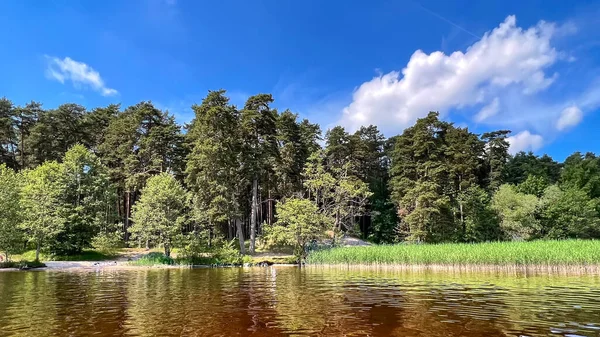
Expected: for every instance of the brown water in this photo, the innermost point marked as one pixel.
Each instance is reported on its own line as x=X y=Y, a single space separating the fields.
x=290 y=301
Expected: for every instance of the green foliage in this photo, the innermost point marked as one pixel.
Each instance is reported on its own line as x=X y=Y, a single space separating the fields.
x=517 y=212
x=85 y=255
x=565 y=252
x=481 y=222
x=522 y=165
x=433 y=183
x=433 y=162
x=55 y=131
x=338 y=194
x=11 y=236
x=86 y=199
x=496 y=157
x=299 y=223
x=534 y=185
x=41 y=204
x=8 y=139
x=228 y=254
x=159 y=215
x=109 y=240
x=569 y=214
x=582 y=172
x=223 y=253
x=213 y=170
x=153 y=259
x=193 y=245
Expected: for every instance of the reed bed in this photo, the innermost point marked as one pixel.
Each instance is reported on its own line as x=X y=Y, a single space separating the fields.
x=547 y=255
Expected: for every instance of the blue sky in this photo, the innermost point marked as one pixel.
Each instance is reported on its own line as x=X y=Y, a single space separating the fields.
x=529 y=66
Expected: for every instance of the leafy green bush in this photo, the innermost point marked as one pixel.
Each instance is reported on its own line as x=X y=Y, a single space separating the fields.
x=152 y=259
x=108 y=242
x=228 y=254
x=192 y=246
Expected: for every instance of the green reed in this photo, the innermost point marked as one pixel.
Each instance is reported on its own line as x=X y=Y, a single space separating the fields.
x=547 y=252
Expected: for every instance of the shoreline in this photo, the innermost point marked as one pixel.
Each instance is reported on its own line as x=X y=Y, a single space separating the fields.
x=575 y=269
x=117 y=265
x=554 y=269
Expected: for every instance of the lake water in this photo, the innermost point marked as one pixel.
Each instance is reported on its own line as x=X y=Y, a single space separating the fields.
x=284 y=301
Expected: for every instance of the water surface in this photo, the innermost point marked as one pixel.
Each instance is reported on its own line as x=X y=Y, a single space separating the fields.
x=292 y=302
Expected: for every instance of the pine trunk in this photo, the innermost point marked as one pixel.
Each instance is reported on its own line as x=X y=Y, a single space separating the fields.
x=270 y=205
x=253 y=215
x=127 y=210
x=240 y=234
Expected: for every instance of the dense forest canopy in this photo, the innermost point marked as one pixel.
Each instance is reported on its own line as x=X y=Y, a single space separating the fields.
x=72 y=178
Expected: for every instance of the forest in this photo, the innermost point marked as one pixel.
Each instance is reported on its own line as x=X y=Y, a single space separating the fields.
x=254 y=177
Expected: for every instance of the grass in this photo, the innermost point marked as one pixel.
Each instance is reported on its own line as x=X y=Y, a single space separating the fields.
x=85 y=255
x=533 y=253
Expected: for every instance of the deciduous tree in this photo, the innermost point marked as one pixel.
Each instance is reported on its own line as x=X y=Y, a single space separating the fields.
x=160 y=213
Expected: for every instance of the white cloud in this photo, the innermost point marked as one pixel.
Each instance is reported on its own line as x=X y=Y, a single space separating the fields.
x=488 y=110
x=524 y=141
x=570 y=116
x=507 y=58
x=79 y=73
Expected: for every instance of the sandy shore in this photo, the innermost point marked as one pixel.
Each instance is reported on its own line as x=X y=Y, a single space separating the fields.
x=119 y=265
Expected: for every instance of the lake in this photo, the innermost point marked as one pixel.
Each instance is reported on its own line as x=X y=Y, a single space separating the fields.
x=289 y=301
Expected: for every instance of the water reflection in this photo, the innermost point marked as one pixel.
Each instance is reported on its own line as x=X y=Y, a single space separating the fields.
x=291 y=301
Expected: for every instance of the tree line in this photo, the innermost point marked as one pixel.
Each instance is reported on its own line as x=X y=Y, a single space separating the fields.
x=72 y=179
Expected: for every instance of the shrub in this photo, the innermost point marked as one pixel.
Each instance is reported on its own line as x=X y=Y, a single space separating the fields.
x=152 y=259
x=108 y=242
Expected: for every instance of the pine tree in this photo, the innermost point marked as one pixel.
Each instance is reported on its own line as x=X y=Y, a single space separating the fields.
x=213 y=172
x=496 y=157
x=139 y=143
x=8 y=142
x=419 y=177
x=259 y=132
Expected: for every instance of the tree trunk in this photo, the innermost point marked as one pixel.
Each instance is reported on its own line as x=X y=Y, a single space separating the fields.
x=270 y=211
x=240 y=234
x=37 y=251
x=167 y=250
x=127 y=209
x=253 y=215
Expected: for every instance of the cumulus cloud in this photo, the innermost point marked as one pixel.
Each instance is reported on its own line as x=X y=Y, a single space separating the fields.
x=508 y=57
x=524 y=141
x=570 y=116
x=79 y=73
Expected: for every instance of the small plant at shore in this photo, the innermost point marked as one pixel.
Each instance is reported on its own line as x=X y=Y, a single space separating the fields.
x=153 y=259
